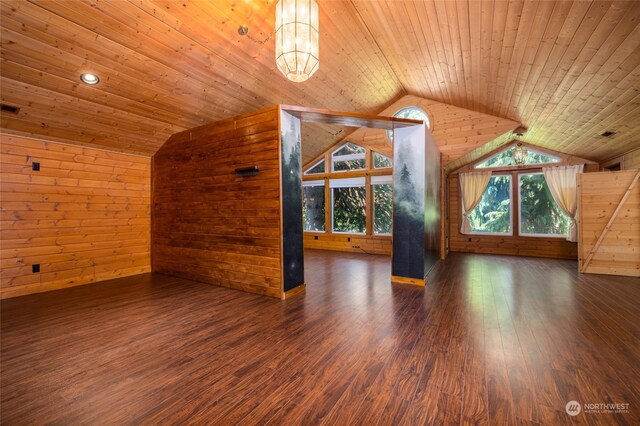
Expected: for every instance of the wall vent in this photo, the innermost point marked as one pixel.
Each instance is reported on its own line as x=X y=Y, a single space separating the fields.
x=10 y=108
x=608 y=134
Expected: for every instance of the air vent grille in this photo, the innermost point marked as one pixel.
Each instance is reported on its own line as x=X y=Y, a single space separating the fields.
x=10 y=108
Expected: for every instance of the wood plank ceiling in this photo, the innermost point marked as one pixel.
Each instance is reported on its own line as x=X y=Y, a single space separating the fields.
x=568 y=70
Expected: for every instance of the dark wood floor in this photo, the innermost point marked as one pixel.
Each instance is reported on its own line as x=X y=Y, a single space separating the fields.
x=491 y=339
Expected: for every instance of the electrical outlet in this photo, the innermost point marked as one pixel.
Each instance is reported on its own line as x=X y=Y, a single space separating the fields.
x=35 y=268
x=35 y=166
x=315 y=237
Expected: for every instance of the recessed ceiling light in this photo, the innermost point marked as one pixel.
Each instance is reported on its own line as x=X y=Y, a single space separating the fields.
x=89 y=78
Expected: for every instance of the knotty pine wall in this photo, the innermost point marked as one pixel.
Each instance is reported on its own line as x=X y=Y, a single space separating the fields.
x=610 y=232
x=208 y=223
x=629 y=161
x=511 y=245
x=356 y=243
x=84 y=217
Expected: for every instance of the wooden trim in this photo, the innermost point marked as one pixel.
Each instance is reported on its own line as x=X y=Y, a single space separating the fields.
x=280 y=222
x=368 y=206
x=349 y=119
x=405 y=280
x=328 y=226
x=579 y=219
x=294 y=291
x=350 y=174
x=443 y=220
x=612 y=219
x=565 y=159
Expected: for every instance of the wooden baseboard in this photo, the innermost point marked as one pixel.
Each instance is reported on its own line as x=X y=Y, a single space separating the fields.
x=289 y=294
x=405 y=280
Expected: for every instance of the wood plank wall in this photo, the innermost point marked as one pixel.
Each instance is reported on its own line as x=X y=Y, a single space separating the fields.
x=356 y=243
x=492 y=244
x=628 y=161
x=599 y=195
x=208 y=223
x=84 y=217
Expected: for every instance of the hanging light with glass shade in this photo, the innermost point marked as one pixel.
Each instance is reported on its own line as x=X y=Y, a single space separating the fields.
x=519 y=154
x=297 y=39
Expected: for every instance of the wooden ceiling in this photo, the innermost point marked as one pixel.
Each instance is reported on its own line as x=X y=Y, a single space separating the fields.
x=568 y=70
x=457 y=131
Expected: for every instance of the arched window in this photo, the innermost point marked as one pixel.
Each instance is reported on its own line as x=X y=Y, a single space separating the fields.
x=413 y=113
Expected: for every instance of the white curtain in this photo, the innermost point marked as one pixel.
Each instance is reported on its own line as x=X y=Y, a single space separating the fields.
x=562 y=183
x=472 y=186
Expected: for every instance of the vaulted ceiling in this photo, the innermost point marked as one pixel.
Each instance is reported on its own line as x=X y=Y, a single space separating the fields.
x=566 y=70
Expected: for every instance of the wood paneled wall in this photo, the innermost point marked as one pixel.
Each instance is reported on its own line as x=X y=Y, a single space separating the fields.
x=84 y=217
x=492 y=244
x=210 y=224
x=370 y=244
x=456 y=130
x=629 y=161
x=609 y=223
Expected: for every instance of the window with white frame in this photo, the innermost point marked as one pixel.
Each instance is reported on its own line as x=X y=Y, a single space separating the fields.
x=505 y=159
x=382 y=204
x=317 y=168
x=348 y=202
x=493 y=215
x=412 y=113
x=313 y=205
x=348 y=157
x=537 y=212
x=381 y=161
x=539 y=215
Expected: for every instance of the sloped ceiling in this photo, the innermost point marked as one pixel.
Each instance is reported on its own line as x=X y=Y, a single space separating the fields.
x=457 y=131
x=568 y=70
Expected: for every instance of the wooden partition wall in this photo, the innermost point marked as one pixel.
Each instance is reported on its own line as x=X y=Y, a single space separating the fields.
x=211 y=224
x=245 y=232
x=78 y=214
x=609 y=223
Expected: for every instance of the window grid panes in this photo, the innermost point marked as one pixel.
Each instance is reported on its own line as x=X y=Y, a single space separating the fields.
x=382 y=208
x=413 y=113
x=349 y=209
x=348 y=157
x=492 y=215
x=540 y=216
x=316 y=168
x=380 y=161
x=505 y=158
x=313 y=207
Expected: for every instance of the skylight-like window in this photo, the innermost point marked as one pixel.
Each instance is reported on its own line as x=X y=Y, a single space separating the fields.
x=381 y=161
x=412 y=113
x=316 y=168
x=505 y=159
x=348 y=157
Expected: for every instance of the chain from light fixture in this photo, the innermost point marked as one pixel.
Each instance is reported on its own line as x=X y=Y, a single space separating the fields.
x=297 y=39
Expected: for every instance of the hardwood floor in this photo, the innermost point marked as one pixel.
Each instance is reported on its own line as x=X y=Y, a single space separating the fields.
x=491 y=339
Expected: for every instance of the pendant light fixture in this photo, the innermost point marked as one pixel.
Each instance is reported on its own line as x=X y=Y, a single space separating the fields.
x=297 y=39
x=519 y=154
